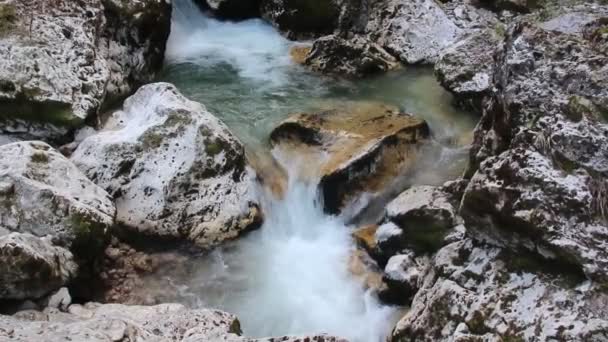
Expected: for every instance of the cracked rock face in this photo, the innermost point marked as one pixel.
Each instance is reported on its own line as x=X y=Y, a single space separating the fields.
x=31 y=267
x=44 y=194
x=475 y=292
x=174 y=170
x=61 y=61
x=540 y=154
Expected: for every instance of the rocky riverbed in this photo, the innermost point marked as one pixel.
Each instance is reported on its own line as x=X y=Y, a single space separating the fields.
x=298 y=164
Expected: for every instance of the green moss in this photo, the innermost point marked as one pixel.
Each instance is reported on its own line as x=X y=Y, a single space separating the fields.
x=477 y=324
x=8 y=18
x=500 y=30
x=40 y=157
x=151 y=140
x=24 y=107
x=90 y=235
x=213 y=148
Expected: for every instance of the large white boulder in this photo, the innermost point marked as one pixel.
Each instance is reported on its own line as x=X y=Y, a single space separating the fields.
x=174 y=170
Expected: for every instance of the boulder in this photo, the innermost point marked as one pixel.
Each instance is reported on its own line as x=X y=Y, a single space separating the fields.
x=401 y=275
x=61 y=61
x=357 y=147
x=116 y=322
x=414 y=31
x=31 y=267
x=175 y=171
x=357 y=56
x=232 y=9
x=476 y=292
x=520 y=199
x=465 y=68
x=44 y=194
x=425 y=216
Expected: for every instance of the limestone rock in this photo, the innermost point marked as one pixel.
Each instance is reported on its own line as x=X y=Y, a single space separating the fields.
x=425 y=215
x=520 y=199
x=362 y=154
x=61 y=61
x=465 y=68
x=31 y=267
x=540 y=156
x=401 y=275
x=415 y=31
x=116 y=322
x=480 y=293
x=175 y=170
x=44 y=194
x=357 y=56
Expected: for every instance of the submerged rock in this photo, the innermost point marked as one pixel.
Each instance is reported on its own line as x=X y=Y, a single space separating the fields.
x=31 y=267
x=476 y=292
x=356 y=56
x=116 y=322
x=358 y=148
x=61 y=61
x=44 y=194
x=175 y=170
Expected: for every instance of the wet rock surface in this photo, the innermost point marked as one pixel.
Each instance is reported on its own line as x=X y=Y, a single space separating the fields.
x=174 y=170
x=232 y=9
x=31 y=267
x=44 y=194
x=360 y=155
x=357 y=56
x=61 y=61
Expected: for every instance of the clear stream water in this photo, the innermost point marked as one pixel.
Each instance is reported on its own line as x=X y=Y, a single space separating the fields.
x=291 y=276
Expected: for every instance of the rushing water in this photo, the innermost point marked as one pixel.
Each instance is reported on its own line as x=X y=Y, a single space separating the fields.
x=291 y=276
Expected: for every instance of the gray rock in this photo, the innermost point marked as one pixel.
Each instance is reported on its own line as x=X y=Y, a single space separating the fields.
x=357 y=56
x=61 y=61
x=415 y=31
x=59 y=300
x=31 y=267
x=466 y=68
x=479 y=293
x=520 y=199
x=425 y=215
x=402 y=274
x=116 y=322
x=44 y=194
x=174 y=169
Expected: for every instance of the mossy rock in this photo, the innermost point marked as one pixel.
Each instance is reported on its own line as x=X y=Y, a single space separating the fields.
x=8 y=19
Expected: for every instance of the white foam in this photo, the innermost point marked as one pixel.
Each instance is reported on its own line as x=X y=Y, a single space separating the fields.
x=252 y=47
